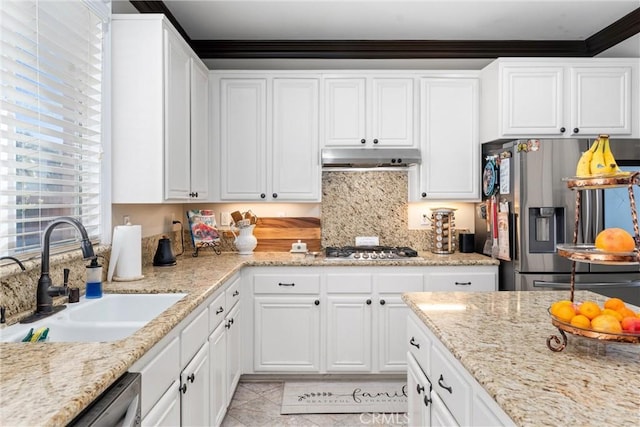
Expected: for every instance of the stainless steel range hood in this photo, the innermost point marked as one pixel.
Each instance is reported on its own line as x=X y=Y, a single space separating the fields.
x=370 y=157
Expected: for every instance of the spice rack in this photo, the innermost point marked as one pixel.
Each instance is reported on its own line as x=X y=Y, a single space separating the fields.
x=589 y=254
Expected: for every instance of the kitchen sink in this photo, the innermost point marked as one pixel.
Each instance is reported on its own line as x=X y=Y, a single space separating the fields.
x=64 y=331
x=110 y=318
x=123 y=307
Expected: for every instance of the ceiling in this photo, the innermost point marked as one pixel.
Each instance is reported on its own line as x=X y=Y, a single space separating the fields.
x=448 y=31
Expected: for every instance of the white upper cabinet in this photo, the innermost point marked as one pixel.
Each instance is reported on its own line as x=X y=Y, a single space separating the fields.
x=370 y=111
x=295 y=171
x=560 y=98
x=448 y=141
x=266 y=132
x=601 y=100
x=159 y=110
x=243 y=136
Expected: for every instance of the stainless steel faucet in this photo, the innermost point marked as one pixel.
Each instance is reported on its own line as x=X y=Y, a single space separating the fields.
x=45 y=292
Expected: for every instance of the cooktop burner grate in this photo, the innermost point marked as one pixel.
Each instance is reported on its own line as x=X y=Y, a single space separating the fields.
x=370 y=252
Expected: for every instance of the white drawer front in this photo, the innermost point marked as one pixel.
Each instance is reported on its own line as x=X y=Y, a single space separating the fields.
x=399 y=282
x=232 y=294
x=452 y=388
x=193 y=336
x=349 y=283
x=286 y=284
x=217 y=311
x=418 y=343
x=468 y=281
x=159 y=374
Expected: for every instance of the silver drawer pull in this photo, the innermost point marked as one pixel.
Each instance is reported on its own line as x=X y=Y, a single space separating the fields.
x=441 y=384
x=286 y=284
x=462 y=283
x=413 y=342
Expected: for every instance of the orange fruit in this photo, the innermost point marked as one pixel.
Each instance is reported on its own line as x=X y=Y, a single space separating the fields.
x=606 y=323
x=565 y=313
x=626 y=312
x=581 y=321
x=613 y=313
x=557 y=304
x=614 y=303
x=589 y=309
x=615 y=240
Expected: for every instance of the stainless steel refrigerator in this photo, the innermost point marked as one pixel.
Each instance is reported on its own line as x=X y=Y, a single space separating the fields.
x=541 y=214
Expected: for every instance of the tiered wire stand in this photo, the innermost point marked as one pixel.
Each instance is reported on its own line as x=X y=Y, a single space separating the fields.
x=589 y=254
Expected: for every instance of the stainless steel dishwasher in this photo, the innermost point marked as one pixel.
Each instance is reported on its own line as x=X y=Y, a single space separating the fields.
x=119 y=405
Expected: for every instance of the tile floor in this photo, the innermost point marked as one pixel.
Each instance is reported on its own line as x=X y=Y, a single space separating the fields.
x=258 y=404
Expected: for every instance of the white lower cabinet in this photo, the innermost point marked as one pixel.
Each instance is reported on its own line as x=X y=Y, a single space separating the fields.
x=189 y=377
x=234 y=348
x=194 y=389
x=329 y=320
x=167 y=411
x=456 y=398
x=218 y=362
x=286 y=321
x=418 y=394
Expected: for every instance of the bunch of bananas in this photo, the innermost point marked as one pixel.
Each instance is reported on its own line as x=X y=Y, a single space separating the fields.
x=598 y=160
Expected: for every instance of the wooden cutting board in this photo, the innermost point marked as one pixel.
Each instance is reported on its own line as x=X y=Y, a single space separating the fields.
x=277 y=234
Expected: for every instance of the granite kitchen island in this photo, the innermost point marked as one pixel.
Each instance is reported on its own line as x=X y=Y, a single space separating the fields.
x=500 y=339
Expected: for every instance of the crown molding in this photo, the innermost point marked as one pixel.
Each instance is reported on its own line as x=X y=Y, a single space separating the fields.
x=620 y=30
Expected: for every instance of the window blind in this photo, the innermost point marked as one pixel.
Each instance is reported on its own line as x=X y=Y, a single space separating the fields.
x=51 y=57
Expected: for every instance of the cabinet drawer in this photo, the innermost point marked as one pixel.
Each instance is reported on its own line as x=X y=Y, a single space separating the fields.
x=286 y=284
x=167 y=411
x=159 y=374
x=232 y=294
x=217 y=311
x=399 y=283
x=467 y=281
x=349 y=283
x=193 y=336
x=418 y=343
x=450 y=385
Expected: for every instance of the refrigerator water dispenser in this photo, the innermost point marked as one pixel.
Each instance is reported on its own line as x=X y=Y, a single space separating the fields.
x=546 y=229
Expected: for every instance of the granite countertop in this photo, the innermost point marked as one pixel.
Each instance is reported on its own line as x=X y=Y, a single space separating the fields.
x=500 y=338
x=50 y=383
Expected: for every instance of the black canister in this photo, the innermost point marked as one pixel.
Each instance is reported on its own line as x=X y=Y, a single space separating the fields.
x=465 y=243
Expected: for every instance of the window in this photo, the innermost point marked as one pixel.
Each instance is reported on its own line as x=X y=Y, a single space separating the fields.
x=51 y=84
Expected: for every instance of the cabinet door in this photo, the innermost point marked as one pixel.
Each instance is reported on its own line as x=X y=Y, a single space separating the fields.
x=234 y=351
x=200 y=159
x=392 y=112
x=601 y=100
x=177 y=118
x=392 y=332
x=243 y=133
x=532 y=101
x=449 y=139
x=194 y=381
x=440 y=415
x=345 y=111
x=418 y=394
x=167 y=411
x=295 y=171
x=218 y=372
x=287 y=334
x=349 y=333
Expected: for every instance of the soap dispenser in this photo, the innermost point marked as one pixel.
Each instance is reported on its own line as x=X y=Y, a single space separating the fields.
x=94 y=280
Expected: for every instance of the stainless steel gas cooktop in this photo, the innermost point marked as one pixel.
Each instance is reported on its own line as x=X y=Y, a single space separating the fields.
x=370 y=253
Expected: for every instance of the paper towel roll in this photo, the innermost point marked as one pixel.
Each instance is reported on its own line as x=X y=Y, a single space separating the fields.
x=126 y=254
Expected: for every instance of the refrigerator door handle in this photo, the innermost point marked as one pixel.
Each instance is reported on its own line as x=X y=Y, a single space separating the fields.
x=583 y=286
x=598 y=212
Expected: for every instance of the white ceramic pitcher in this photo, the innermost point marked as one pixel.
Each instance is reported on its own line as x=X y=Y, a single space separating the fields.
x=245 y=241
